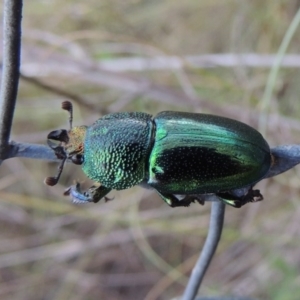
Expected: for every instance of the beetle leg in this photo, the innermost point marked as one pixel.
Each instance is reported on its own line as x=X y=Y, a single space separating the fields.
x=188 y=199
x=193 y=198
x=93 y=194
x=239 y=201
x=173 y=201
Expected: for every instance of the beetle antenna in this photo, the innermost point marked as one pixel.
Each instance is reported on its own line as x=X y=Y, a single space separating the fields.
x=67 y=105
x=54 y=180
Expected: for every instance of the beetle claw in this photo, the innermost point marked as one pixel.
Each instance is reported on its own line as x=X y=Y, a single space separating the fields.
x=188 y=199
x=238 y=201
x=67 y=192
x=76 y=195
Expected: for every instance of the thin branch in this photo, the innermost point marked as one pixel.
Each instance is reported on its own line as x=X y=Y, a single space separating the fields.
x=208 y=251
x=285 y=157
x=58 y=91
x=32 y=151
x=10 y=73
x=227 y=60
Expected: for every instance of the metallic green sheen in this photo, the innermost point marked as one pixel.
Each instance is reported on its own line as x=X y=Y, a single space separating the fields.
x=199 y=153
x=116 y=149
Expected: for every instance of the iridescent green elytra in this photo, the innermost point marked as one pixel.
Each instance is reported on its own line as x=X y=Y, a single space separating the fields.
x=175 y=153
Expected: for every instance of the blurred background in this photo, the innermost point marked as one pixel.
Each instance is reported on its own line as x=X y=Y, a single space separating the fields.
x=137 y=55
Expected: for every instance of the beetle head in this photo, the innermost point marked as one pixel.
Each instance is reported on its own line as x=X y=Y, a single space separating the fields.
x=66 y=144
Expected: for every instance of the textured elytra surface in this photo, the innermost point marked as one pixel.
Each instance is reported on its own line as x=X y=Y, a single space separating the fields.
x=197 y=153
x=116 y=149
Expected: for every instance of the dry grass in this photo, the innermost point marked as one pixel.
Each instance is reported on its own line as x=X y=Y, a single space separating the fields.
x=136 y=247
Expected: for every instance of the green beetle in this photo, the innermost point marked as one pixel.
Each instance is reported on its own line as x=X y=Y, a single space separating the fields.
x=175 y=153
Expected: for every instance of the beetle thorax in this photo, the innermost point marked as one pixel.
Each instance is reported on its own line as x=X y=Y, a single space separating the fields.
x=75 y=144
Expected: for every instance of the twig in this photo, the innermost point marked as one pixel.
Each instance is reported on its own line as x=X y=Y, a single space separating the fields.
x=58 y=91
x=208 y=251
x=33 y=151
x=227 y=60
x=10 y=73
x=285 y=157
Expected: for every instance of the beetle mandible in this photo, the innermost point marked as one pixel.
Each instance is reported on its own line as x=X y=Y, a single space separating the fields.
x=175 y=153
